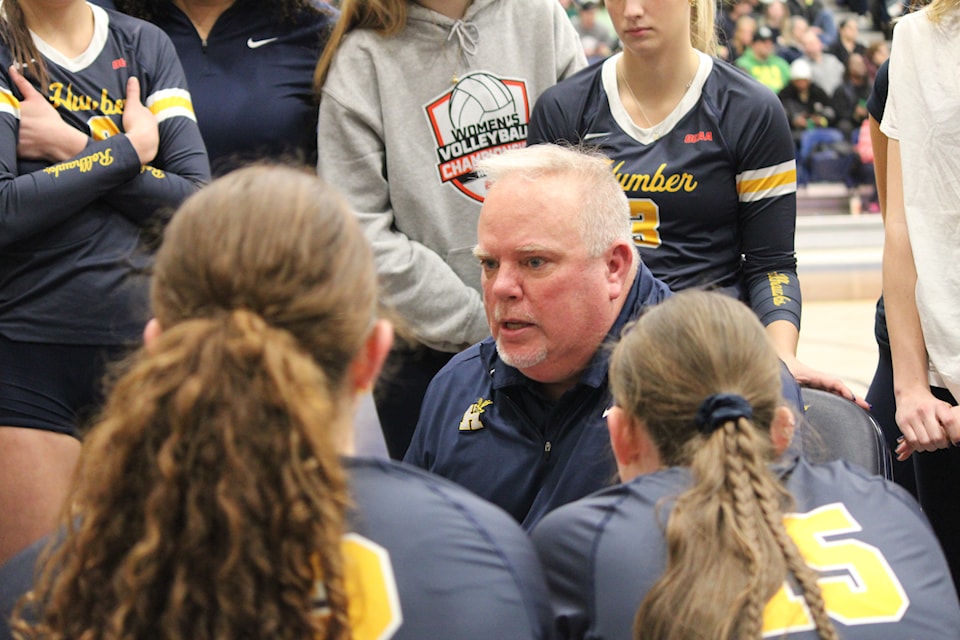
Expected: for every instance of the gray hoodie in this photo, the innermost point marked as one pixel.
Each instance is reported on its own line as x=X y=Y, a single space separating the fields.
x=402 y=121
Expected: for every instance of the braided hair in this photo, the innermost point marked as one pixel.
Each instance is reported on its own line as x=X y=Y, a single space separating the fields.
x=700 y=374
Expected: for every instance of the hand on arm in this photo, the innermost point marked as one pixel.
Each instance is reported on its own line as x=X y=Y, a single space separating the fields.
x=139 y=123
x=43 y=134
x=177 y=158
x=785 y=337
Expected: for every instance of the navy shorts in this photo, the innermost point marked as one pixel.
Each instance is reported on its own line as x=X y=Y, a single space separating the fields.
x=55 y=387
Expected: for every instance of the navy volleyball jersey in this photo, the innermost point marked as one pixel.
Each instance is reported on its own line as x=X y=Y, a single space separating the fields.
x=71 y=261
x=712 y=188
x=425 y=559
x=882 y=573
x=89 y=91
x=428 y=559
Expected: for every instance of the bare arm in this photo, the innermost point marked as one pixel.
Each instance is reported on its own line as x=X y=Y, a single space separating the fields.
x=926 y=422
x=879 y=143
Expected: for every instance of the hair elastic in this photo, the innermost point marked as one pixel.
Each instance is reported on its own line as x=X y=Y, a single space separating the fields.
x=719 y=408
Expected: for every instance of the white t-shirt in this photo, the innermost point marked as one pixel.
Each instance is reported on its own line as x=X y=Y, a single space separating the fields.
x=923 y=114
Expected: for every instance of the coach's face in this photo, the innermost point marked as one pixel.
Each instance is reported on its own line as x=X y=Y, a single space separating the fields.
x=548 y=303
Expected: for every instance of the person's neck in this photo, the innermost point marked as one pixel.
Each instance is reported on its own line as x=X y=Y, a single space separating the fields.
x=453 y=9
x=654 y=86
x=68 y=29
x=555 y=390
x=203 y=14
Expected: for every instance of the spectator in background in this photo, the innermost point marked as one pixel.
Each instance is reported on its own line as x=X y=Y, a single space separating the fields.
x=730 y=12
x=825 y=69
x=742 y=38
x=876 y=54
x=774 y=16
x=597 y=38
x=763 y=64
x=850 y=98
x=847 y=41
x=789 y=46
x=850 y=104
x=249 y=66
x=819 y=17
x=811 y=114
x=882 y=20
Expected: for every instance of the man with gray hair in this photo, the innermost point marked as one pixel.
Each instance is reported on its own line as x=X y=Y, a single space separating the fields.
x=519 y=418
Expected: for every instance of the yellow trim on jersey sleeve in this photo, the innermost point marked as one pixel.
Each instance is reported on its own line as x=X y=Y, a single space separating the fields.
x=171 y=103
x=769 y=182
x=9 y=103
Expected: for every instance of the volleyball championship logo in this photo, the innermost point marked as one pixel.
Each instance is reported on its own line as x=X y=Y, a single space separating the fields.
x=481 y=115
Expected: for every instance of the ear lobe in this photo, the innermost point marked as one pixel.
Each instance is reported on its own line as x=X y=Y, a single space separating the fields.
x=623 y=437
x=634 y=450
x=782 y=429
x=369 y=361
x=620 y=259
x=151 y=332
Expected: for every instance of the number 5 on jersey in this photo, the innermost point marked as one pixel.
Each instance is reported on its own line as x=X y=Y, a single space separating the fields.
x=857 y=583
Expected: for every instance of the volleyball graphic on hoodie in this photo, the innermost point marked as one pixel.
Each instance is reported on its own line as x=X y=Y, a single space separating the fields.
x=482 y=113
x=480 y=97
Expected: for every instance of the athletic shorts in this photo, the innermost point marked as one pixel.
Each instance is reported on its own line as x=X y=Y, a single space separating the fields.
x=55 y=387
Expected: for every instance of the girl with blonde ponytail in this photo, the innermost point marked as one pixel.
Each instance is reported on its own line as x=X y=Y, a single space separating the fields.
x=708 y=538
x=213 y=501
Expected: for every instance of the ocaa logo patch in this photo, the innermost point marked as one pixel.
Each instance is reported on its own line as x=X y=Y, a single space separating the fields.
x=482 y=114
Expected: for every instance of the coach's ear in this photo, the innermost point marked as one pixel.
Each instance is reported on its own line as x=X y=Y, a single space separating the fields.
x=619 y=260
x=151 y=332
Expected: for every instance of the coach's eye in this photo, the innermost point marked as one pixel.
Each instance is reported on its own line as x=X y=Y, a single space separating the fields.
x=488 y=264
x=536 y=263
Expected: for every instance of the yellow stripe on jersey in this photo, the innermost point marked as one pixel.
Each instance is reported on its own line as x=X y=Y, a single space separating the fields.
x=8 y=103
x=770 y=182
x=171 y=103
